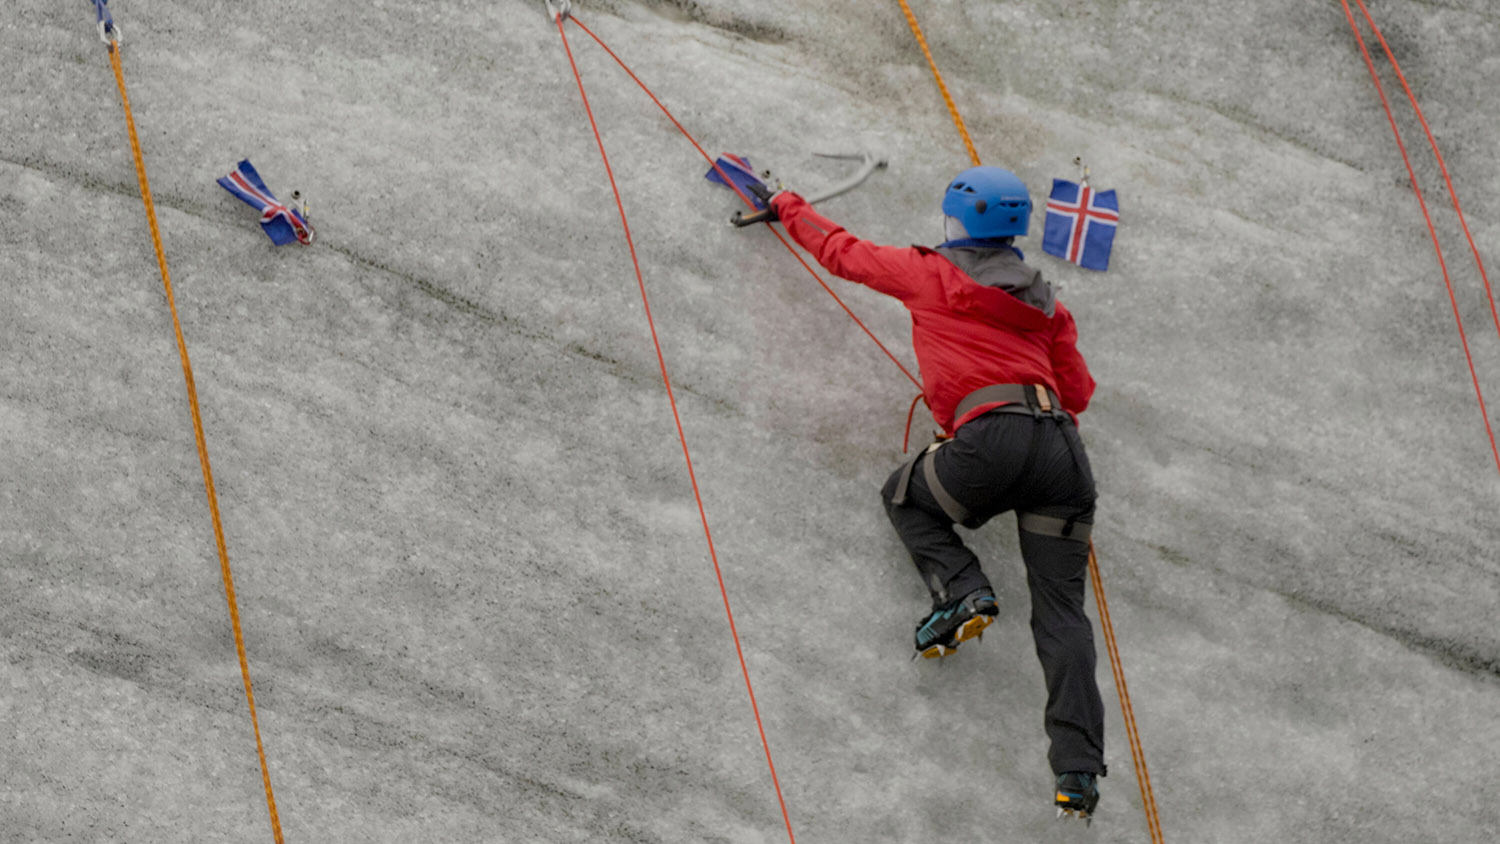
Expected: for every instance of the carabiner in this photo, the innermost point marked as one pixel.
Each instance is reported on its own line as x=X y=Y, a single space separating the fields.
x=106 y=23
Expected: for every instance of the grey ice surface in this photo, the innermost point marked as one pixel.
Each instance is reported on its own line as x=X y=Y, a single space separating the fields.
x=476 y=595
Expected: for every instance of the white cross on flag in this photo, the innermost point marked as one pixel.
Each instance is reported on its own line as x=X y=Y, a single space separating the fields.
x=1081 y=224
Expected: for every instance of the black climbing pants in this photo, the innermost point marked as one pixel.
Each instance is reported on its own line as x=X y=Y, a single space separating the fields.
x=1037 y=467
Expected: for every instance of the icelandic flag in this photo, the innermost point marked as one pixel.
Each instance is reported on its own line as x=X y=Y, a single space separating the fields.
x=740 y=174
x=282 y=224
x=1081 y=224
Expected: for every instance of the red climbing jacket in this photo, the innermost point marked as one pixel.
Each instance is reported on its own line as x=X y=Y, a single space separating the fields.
x=966 y=335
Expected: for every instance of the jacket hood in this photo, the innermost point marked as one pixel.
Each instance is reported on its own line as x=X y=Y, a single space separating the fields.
x=1003 y=270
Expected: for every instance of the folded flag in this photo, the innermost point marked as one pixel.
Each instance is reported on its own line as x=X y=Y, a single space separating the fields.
x=740 y=174
x=1081 y=224
x=281 y=223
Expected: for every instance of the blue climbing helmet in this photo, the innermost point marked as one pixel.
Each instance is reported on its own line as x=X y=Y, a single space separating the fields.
x=990 y=202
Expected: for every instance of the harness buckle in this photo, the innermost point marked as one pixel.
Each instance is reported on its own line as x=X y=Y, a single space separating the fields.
x=1042 y=401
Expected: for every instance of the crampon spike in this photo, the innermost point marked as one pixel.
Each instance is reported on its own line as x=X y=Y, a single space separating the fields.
x=938 y=652
x=1088 y=820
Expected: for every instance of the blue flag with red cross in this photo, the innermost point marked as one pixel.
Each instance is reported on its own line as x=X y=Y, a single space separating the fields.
x=281 y=223
x=739 y=174
x=1081 y=224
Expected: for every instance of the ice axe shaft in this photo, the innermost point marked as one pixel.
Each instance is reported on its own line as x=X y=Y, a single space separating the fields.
x=868 y=164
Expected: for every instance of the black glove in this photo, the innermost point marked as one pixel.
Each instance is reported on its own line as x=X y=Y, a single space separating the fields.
x=764 y=194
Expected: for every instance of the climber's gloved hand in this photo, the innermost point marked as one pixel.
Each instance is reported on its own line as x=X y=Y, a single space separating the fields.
x=764 y=194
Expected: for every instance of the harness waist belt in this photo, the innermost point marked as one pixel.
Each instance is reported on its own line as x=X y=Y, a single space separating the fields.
x=1032 y=399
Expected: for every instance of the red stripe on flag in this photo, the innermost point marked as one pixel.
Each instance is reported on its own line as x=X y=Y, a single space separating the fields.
x=1084 y=192
x=1081 y=212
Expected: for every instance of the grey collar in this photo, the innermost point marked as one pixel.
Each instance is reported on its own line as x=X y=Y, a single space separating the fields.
x=1004 y=269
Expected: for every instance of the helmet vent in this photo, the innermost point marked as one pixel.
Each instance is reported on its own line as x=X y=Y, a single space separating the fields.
x=990 y=202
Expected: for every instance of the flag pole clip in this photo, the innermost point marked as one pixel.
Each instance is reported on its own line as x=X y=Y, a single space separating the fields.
x=306 y=232
x=1078 y=161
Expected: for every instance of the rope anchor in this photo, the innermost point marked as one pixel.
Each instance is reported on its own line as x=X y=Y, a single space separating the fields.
x=107 y=23
x=559 y=9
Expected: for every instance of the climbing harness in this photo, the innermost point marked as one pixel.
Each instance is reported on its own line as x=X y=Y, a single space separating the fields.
x=903 y=483
x=1034 y=400
x=106 y=27
x=1030 y=399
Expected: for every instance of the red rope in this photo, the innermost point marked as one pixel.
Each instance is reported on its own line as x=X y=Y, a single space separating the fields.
x=1443 y=165
x=910 y=412
x=779 y=236
x=1426 y=215
x=681 y=436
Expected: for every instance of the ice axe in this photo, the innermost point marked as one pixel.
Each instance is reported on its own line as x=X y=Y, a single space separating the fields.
x=868 y=164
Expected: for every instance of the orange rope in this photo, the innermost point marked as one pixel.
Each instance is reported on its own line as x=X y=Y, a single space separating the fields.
x=681 y=435
x=958 y=121
x=1137 y=753
x=208 y=478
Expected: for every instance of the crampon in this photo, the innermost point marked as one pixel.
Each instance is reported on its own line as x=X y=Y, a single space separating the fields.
x=941 y=632
x=1077 y=795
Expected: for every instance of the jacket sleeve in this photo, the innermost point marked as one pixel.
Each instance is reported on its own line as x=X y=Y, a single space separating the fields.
x=895 y=271
x=1075 y=386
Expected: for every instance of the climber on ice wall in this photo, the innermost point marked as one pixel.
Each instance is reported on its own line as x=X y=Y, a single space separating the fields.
x=1003 y=376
